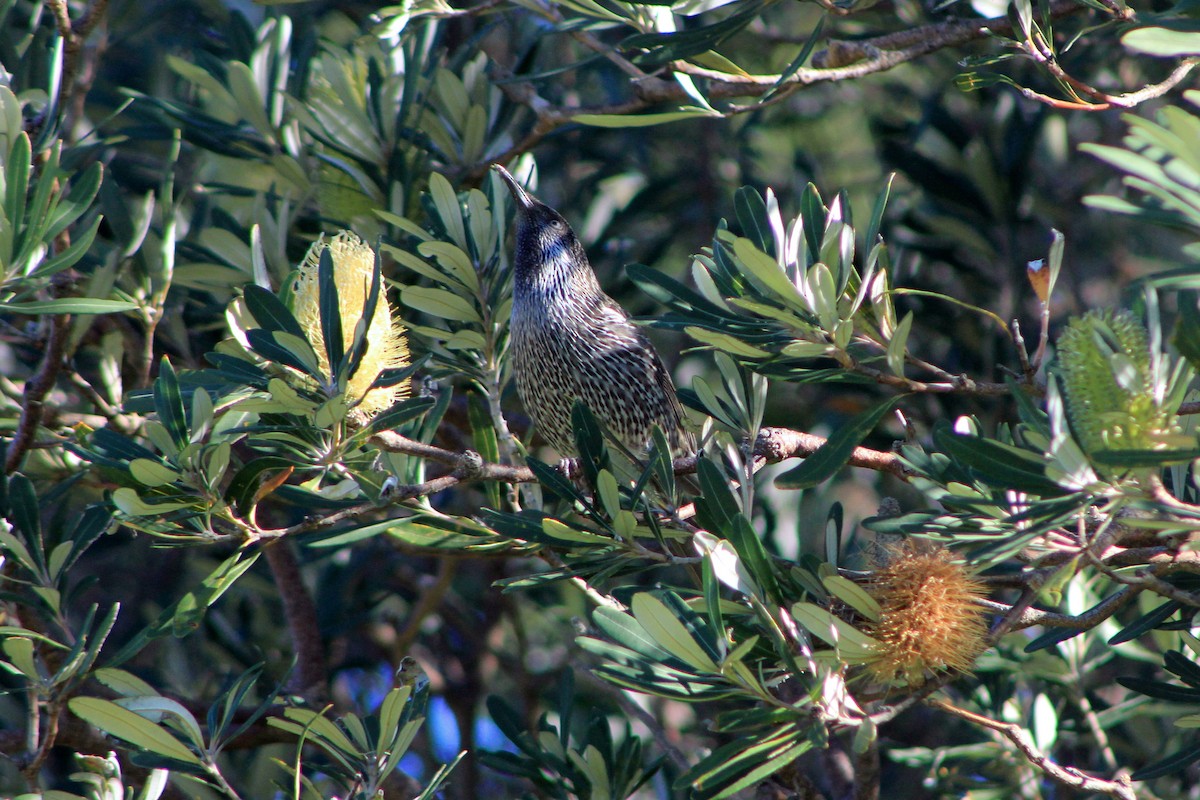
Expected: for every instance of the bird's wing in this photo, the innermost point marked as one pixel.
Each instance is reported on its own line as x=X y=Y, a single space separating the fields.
x=626 y=351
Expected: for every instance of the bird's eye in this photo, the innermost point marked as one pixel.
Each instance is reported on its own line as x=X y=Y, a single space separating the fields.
x=558 y=225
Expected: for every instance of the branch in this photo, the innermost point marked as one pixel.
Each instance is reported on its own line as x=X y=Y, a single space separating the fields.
x=1040 y=51
x=311 y=678
x=1121 y=786
x=773 y=444
x=1029 y=617
x=841 y=60
x=778 y=444
x=36 y=389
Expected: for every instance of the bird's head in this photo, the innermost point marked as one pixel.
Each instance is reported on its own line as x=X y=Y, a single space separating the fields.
x=547 y=248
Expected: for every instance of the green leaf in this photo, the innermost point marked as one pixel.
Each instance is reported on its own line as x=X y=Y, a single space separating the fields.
x=641 y=120
x=77 y=201
x=1172 y=763
x=1186 y=336
x=627 y=632
x=589 y=442
x=69 y=305
x=400 y=414
x=168 y=402
x=287 y=349
x=833 y=455
x=245 y=481
x=131 y=504
x=130 y=727
x=897 y=347
x=123 y=683
x=20 y=652
x=440 y=303
x=24 y=513
x=331 y=312
x=1000 y=464
x=853 y=595
x=269 y=311
x=849 y=641
x=327 y=732
x=449 y=211
x=185 y=615
x=154 y=707
x=1163 y=42
x=767 y=272
x=1137 y=459
x=152 y=473
x=725 y=342
x=1145 y=623
x=1182 y=666
x=1162 y=691
x=670 y=632
x=751 y=212
x=80 y=245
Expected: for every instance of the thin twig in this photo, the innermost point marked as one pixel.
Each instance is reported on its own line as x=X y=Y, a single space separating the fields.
x=1120 y=787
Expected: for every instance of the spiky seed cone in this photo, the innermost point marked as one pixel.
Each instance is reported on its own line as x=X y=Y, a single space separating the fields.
x=929 y=621
x=387 y=348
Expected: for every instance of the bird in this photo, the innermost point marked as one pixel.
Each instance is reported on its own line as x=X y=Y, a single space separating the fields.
x=570 y=341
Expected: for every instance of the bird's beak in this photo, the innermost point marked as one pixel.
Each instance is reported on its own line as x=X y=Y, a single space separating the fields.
x=523 y=199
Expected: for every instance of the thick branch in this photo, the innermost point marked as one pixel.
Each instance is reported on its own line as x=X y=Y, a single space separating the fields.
x=300 y=611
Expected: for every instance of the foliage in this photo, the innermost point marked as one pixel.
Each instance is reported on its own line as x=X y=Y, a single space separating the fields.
x=272 y=521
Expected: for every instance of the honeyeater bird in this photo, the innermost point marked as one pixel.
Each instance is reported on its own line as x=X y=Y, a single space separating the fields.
x=570 y=341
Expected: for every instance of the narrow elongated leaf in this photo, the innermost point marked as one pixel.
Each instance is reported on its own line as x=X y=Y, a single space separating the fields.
x=70 y=305
x=1182 y=666
x=168 y=402
x=998 y=463
x=130 y=727
x=331 y=312
x=1146 y=623
x=751 y=213
x=403 y=412
x=625 y=630
x=269 y=311
x=1172 y=763
x=78 y=200
x=850 y=641
x=68 y=257
x=854 y=596
x=267 y=345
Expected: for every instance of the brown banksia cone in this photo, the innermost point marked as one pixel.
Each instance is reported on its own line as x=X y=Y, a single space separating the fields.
x=387 y=346
x=929 y=621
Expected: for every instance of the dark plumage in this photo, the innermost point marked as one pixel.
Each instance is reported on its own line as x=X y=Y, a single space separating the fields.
x=571 y=341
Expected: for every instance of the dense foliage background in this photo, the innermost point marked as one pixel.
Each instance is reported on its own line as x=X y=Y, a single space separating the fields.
x=857 y=232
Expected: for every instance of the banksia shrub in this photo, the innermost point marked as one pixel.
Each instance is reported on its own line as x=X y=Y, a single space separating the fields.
x=387 y=348
x=1113 y=400
x=928 y=620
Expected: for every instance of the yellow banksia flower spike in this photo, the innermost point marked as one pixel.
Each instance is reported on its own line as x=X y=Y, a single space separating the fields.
x=929 y=621
x=387 y=346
